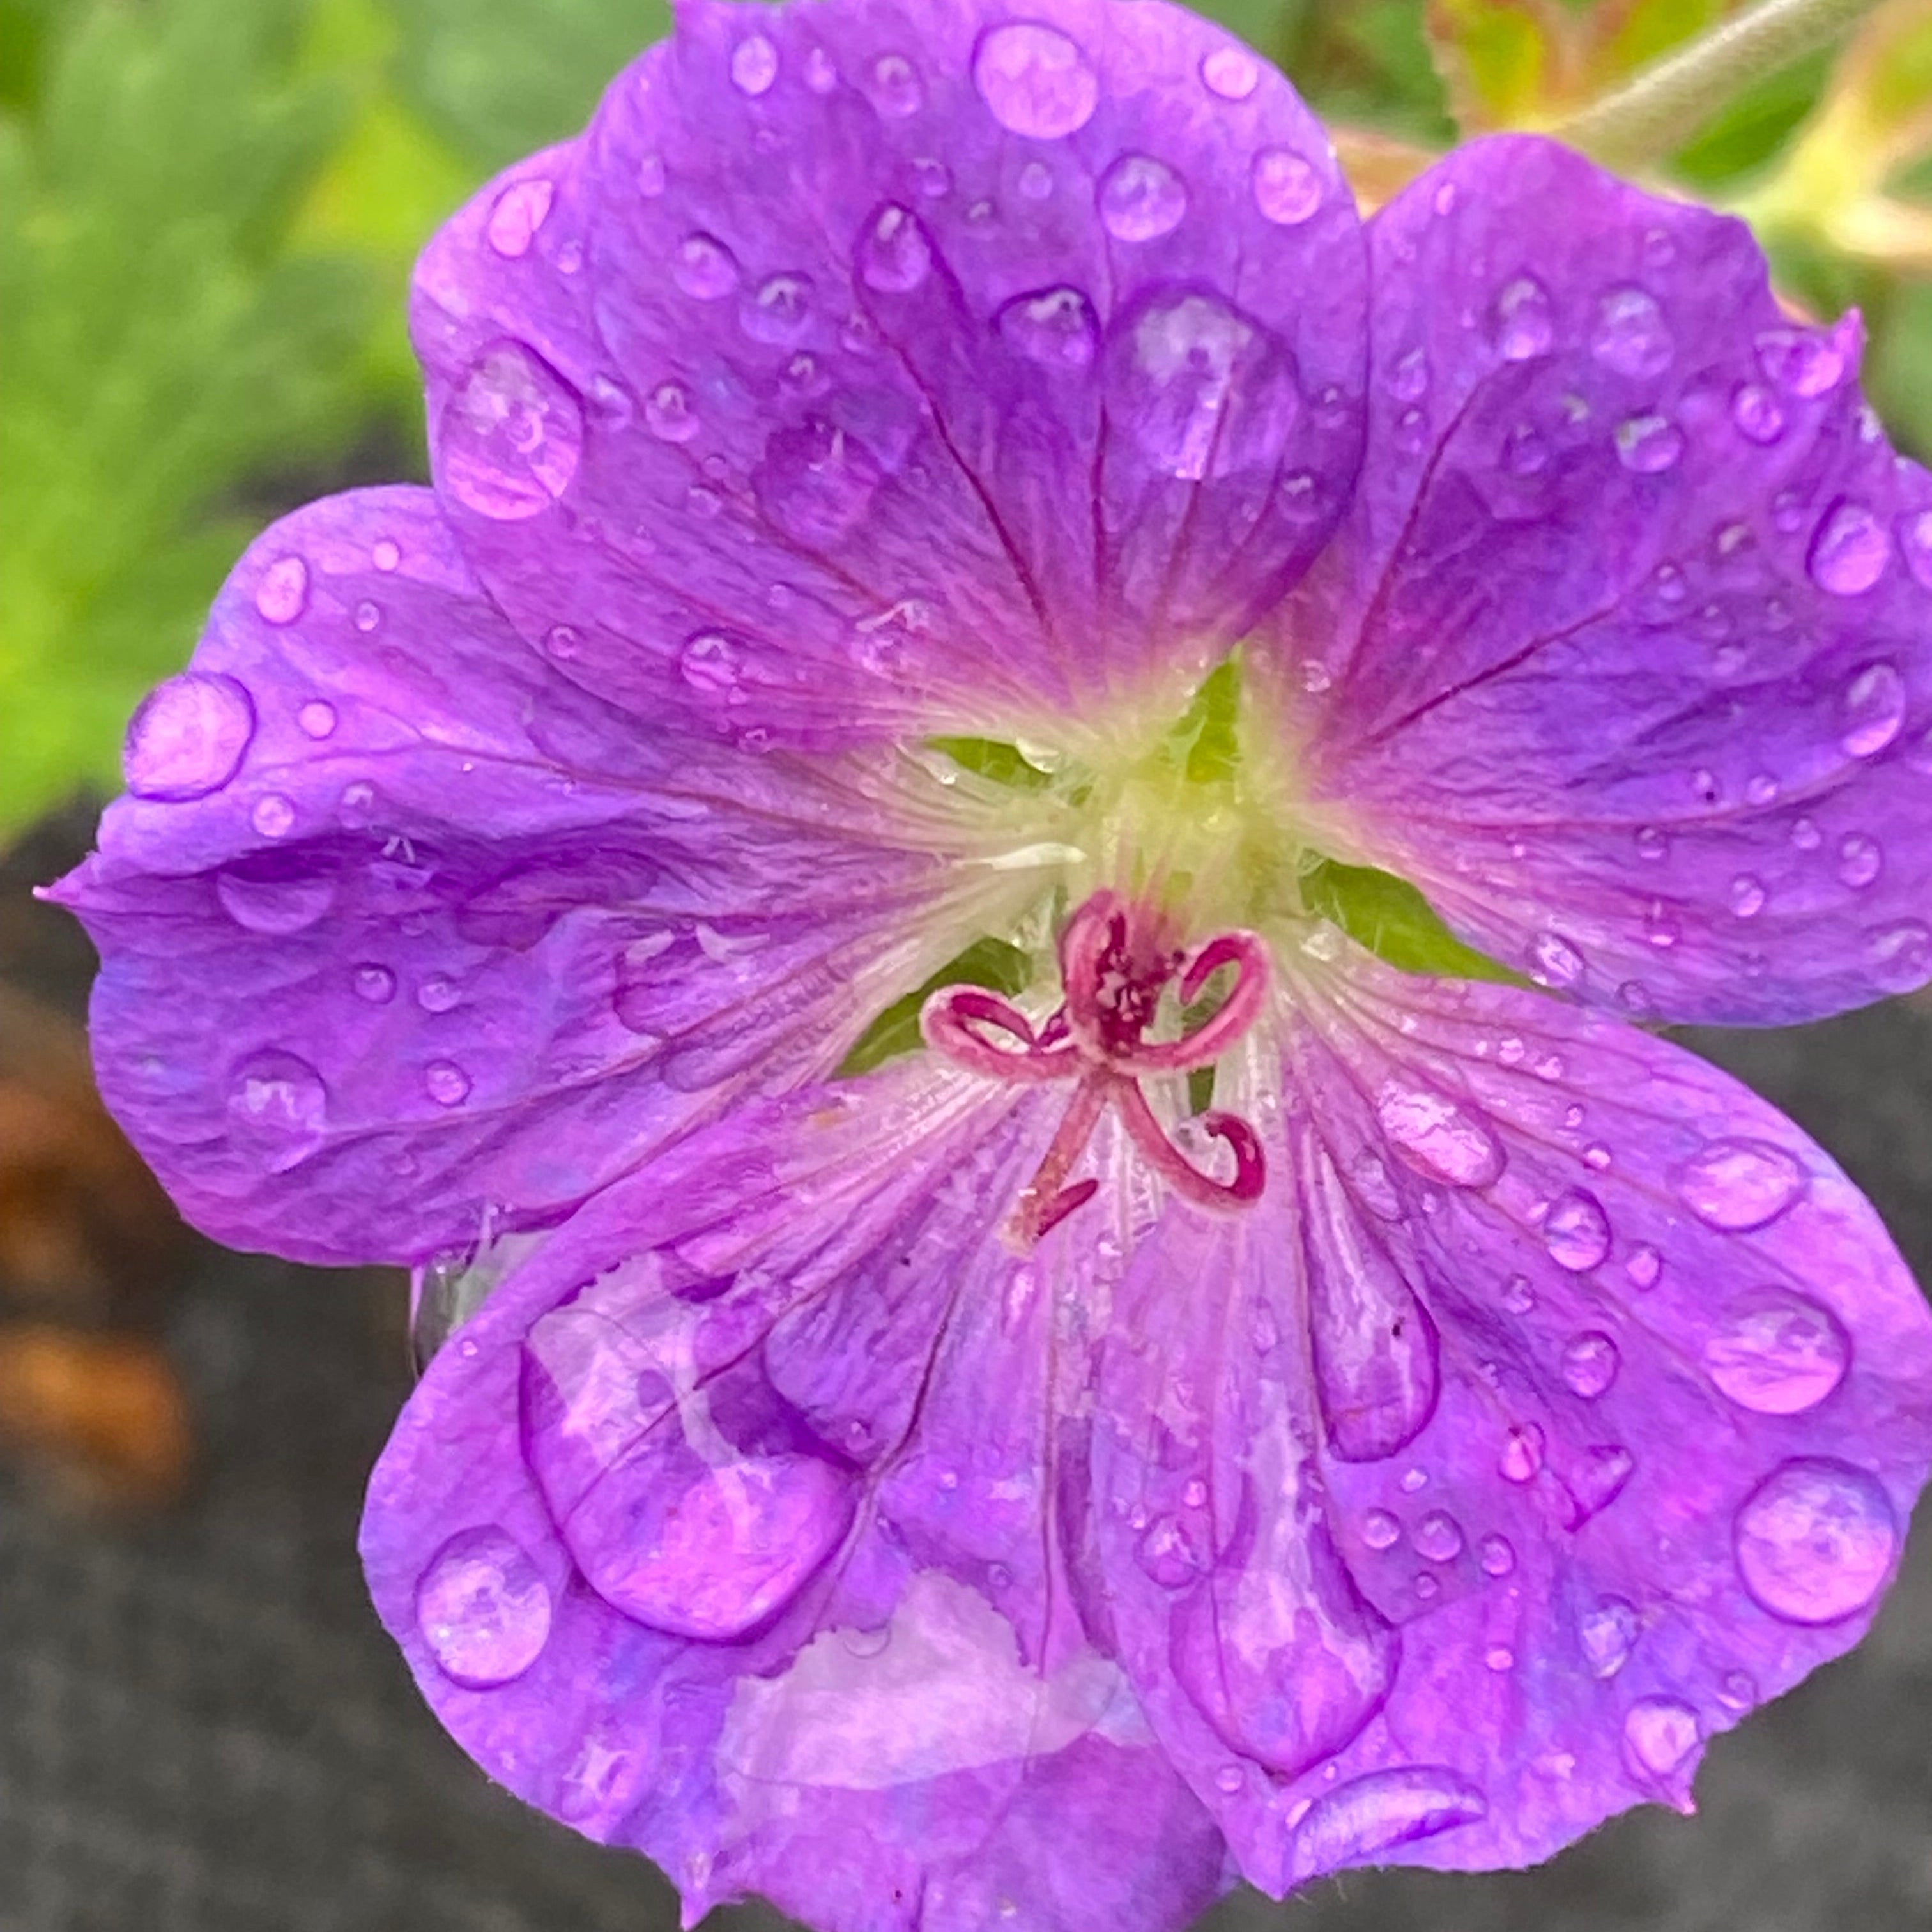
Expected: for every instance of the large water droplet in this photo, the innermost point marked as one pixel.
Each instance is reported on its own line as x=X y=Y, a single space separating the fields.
x=668 y=414
x=1497 y=1555
x=274 y=816
x=1861 y=859
x=1522 y=1455
x=521 y=209
x=1438 y=1137
x=1380 y=1531
x=511 y=435
x=1288 y=186
x=704 y=268
x=1523 y=324
x=1576 y=1230
x=1232 y=73
x=1756 y=412
x=317 y=718
x=276 y=900
x=895 y=256
x=1035 y=80
x=1815 y=1540
x=1608 y=1633
x=1874 y=710
x=282 y=595
x=1776 y=1354
x=1140 y=198
x=1438 y=1536
x=1555 y=962
x=1368 y=1816
x=1799 y=362
x=896 y=89
x=373 y=983
x=1055 y=327
x=1659 y=1734
x=1850 y=551
x=755 y=65
x=1649 y=445
x=189 y=737
x=1901 y=955
x=1737 y=1185
x=277 y=1108
x=446 y=1083
x=780 y=312
x=1631 y=336
x=483 y=1608
x=1590 y=1364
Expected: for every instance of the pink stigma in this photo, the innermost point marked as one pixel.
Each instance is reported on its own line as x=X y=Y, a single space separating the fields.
x=1115 y=965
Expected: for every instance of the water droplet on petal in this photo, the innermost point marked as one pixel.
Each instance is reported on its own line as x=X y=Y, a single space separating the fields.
x=895 y=256
x=896 y=91
x=1644 y=1267
x=446 y=1083
x=1140 y=198
x=1739 y=1185
x=1631 y=336
x=1590 y=1364
x=483 y=1608
x=1747 y=895
x=278 y=1109
x=781 y=311
x=1850 y=551
x=274 y=816
x=375 y=984
x=710 y=662
x=1799 y=362
x=1438 y=1536
x=1522 y=1453
x=1232 y=73
x=189 y=737
x=668 y=414
x=1756 y=412
x=1371 y=1814
x=1056 y=328
x=1380 y=1531
x=1497 y=1555
x=1608 y=1634
x=1438 y=1137
x=510 y=437
x=1738 y=1689
x=1035 y=80
x=276 y=903
x=1523 y=324
x=1556 y=963
x=1777 y=1354
x=1874 y=710
x=521 y=209
x=1169 y=1553
x=755 y=65
x=1576 y=1230
x=1860 y=860
x=821 y=76
x=1649 y=445
x=1815 y=1540
x=438 y=994
x=1659 y=1734
x=704 y=269
x=1288 y=186
x=1901 y=955
x=282 y=595
x=1914 y=539
x=1599 y=1478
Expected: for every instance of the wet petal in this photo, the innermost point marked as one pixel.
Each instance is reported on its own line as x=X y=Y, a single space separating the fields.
x=405 y=938
x=1622 y=654
x=857 y=379
x=1680 y=1419
x=670 y=1566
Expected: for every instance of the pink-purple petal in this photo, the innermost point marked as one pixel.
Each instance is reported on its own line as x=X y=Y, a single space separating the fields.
x=854 y=373
x=1621 y=655
x=408 y=940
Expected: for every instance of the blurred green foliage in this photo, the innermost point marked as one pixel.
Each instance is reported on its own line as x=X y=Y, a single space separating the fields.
x=208 y=209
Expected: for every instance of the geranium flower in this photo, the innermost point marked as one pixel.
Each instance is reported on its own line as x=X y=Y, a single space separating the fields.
x=925 y=484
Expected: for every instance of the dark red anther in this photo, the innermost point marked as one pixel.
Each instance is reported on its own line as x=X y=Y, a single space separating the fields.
x=1115 y=964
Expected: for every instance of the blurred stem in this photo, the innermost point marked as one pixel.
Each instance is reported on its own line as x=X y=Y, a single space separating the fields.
x=1650 y=117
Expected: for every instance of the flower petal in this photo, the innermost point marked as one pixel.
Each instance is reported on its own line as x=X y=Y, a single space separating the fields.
x=1653 y=1401
x=1623 y=656
x=724 y=1531
x=847 y=379
x=404 y=934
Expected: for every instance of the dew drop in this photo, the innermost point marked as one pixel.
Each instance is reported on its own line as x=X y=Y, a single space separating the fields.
x=1815 y=1540
x=1805 y=835
x=780 y=312
x=1288 y=186
x=521 y=209
x=1738 y=1689
x=1874 y=710
x=1590 y=1364
x=1757 y=413
x=1608 y=1634
x=375 y=984
x=897 y=91
x=1777 y=1354
x=483 y=1610
x=274 y=904
x=189 y=737
x=317 y=718
x=894 y=256
x=1035 y=80
x=1231 y=72
x=1747 y=895
x=1901 y=955
x=1380 y=1531
x=755 y=65
x=710 y=662
x=1056 y=328
x=1140 y=198
x=1438 y=1536
x=1659 y=1733
x=1860 y=860
x=1850 y=551
x=1631 y=336
x=1577 y=1231
x=438 y=994
x=704 y=269
x=1644 y=1267
x=1799 y=362
x=1651 y=843
x=282 y=595
x=1497 y=1555
x=1737 y=1185
x=651 y=176
x=1168 y=1554
x=1555 y=962
x=1438 y=1137
x=1522 y=1453
x=1649 y=445
x=277 y=1108
x=1600 y=1478
x=510 y=438
x=274 y=816
x=1375 y=1813
x=821 y=76
x=446 y=1083
x=1914 y=539
x=1523 y=324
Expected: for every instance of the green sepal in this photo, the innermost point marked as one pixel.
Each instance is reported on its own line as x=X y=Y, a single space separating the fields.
x=1389 y=916
x=990 y=963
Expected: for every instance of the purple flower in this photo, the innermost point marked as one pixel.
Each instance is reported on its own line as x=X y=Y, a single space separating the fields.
x=1022 y=1482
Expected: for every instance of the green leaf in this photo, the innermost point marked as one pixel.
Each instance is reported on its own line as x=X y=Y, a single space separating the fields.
x=1389 y=916
x=501 y=78
x=159 y=344
x=991 y=963
x=1003 y=763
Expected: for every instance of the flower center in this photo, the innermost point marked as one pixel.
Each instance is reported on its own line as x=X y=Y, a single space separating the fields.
x=1116 y=962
